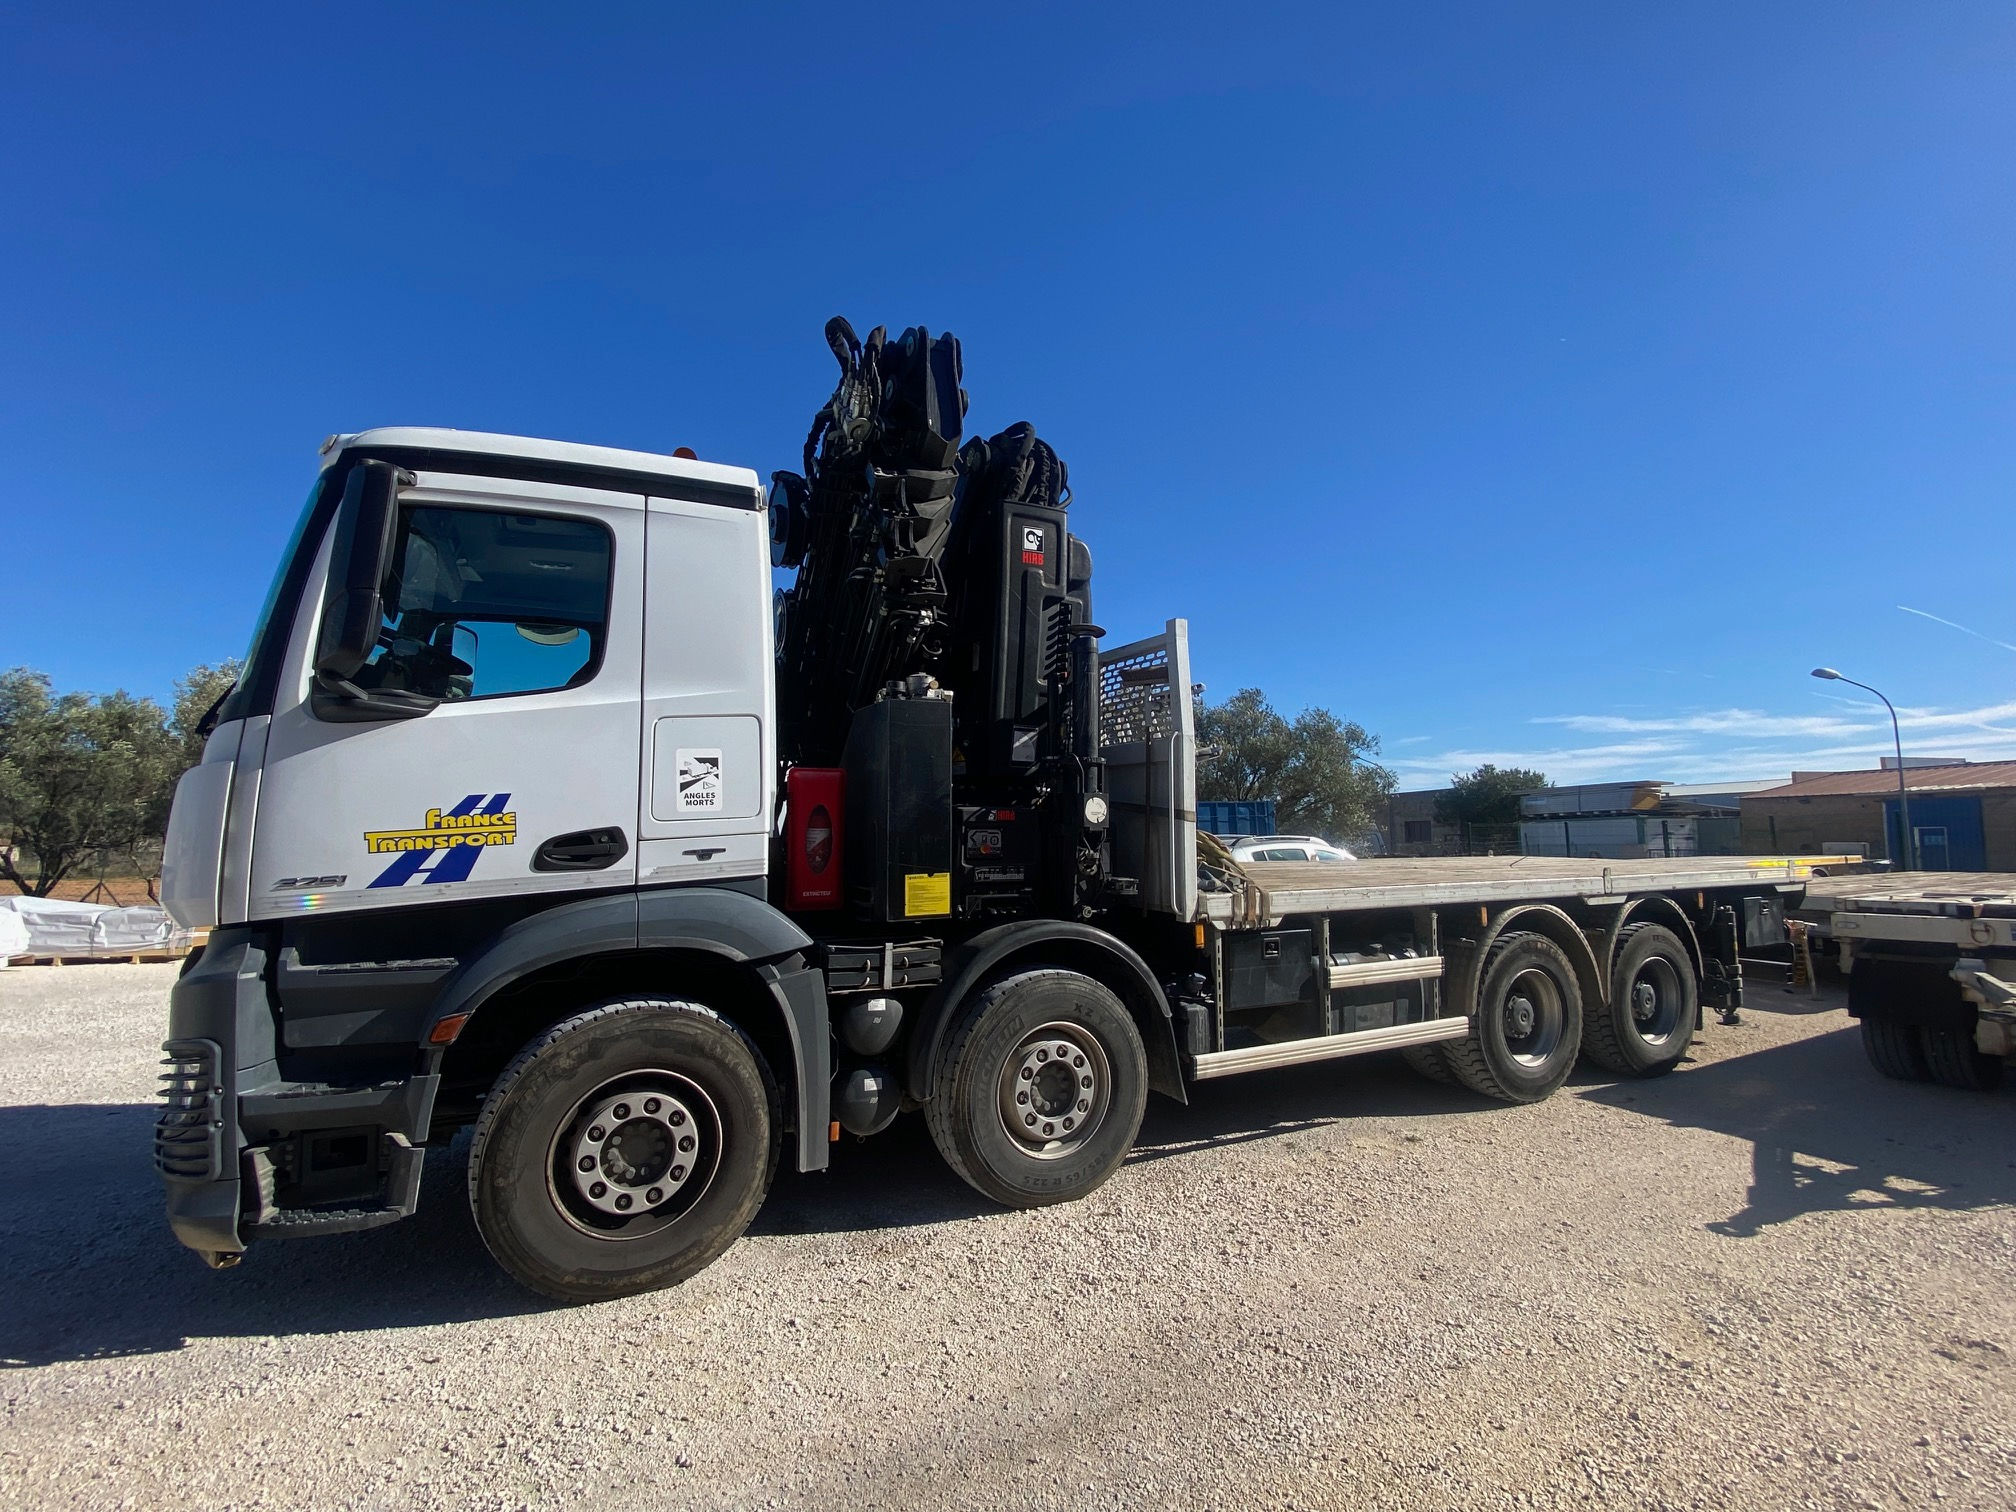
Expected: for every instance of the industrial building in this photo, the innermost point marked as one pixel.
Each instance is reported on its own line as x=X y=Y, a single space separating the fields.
x=1603 y=819
x=1411 y=827
x=1628 y=820
x=1963 y=815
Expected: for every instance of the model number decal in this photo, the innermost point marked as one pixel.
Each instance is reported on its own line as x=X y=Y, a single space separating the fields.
x=446 y=845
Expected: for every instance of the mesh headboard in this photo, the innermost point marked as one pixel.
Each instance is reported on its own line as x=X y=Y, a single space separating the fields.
x=1148 y=738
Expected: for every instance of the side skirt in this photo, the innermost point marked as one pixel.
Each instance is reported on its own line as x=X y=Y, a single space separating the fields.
x=1326 y=1047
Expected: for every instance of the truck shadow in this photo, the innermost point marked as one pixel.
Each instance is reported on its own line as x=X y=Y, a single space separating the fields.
x=896 y=1179
x=1830 y=1135
x=91 y=1271
x=1295 y=1098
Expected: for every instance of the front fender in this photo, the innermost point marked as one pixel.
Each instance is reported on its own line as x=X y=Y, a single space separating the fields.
x=735 y=926
x=732 y=925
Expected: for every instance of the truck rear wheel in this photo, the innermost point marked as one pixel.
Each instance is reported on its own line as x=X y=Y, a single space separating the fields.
x=1951 y=1057
x=1427 y=1061
x=1527 y=1027
x=1645 y=1028
x=1917 y=1024
x=1894 y=1049
x=623 y=1150
x=1039 y=1090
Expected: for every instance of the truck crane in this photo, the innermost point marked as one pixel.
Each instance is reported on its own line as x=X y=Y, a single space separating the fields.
x=531 y=813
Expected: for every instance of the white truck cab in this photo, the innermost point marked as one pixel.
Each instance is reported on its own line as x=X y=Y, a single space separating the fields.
x=589 y=642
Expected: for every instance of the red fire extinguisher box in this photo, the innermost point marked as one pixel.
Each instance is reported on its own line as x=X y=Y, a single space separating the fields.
x=815 y=806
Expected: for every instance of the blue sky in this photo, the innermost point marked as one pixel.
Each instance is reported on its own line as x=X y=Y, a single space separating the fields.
x=1543 y=383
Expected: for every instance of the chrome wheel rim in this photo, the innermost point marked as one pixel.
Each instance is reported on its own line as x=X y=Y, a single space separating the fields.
x=1056 y=1088
x=1533 y=1018
x=634 y=1155
x=1655 y=1001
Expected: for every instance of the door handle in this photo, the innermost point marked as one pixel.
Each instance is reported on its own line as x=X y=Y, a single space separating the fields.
x=581 y=850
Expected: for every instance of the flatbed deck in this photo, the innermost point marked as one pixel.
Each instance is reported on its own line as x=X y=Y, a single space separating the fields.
x=1963 y=895
x=1288 y=888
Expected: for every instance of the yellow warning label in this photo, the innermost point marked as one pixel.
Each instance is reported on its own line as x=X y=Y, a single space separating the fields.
x=927 y=893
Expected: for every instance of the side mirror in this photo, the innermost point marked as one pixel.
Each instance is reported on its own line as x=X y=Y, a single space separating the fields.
x=353 y=607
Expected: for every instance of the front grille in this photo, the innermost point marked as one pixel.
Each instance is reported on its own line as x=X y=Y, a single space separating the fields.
x=189 y=1135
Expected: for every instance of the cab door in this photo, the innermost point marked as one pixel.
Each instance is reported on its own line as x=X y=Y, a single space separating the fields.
x=519 y=606
x=707 y=775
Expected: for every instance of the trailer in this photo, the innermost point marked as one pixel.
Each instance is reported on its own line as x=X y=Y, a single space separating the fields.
x=1931 y=964
x=531 y=814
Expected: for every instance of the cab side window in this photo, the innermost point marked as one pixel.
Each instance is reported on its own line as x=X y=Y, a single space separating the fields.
x=480 y=603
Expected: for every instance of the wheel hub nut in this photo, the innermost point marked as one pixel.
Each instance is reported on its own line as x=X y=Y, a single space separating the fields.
x=631 y=1148
x=1053 y=1090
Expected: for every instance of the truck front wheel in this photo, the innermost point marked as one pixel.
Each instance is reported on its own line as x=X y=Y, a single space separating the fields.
x=1527 y=1026
x=1645 y=1028
x=1040 y=1089
x=623 y=1150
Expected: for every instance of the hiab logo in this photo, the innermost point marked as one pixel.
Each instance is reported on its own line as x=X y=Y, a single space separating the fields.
x=446 y=846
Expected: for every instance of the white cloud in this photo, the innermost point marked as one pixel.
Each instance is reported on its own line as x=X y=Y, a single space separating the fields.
x=1563 y=764
x=1926 y=719
x=1716 y=722
x=1732 y=744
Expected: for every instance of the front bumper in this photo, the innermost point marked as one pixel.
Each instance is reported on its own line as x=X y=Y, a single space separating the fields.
x=235 y=1139
x=220 y=1028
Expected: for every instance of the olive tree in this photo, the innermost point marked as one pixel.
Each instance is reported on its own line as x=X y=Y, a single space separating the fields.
x=87 y=778
x=1317 y=768
x=80 y=777
x=1488 y=795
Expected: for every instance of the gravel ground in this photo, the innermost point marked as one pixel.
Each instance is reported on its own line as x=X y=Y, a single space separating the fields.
x=1770 y=1280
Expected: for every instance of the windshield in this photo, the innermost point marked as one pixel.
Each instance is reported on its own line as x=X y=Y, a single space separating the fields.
x=254 y=693
x=280 y=571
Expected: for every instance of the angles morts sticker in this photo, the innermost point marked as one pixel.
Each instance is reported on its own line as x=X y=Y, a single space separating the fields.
x=447 y=844
x=699 y=780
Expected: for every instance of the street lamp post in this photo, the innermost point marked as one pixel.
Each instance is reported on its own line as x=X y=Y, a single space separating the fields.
x=1828 y=674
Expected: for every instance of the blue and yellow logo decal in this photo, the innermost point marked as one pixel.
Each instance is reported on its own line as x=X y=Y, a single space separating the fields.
x=446 y=846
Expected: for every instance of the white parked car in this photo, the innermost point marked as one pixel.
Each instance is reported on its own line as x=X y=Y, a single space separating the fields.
x=1286 y=848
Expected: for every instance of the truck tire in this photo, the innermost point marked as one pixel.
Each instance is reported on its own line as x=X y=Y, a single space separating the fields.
x=623 y=1150
x=1896 y=1050
x=1951 y=1058
x=1428 y=1061
x=1039 y=1090
x=1527 y=1027
x=1645 y=1028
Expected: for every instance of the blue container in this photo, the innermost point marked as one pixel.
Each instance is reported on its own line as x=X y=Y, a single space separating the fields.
x=1236 y=816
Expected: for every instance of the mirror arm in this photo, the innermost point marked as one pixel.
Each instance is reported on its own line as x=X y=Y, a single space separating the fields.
x=340 y=701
